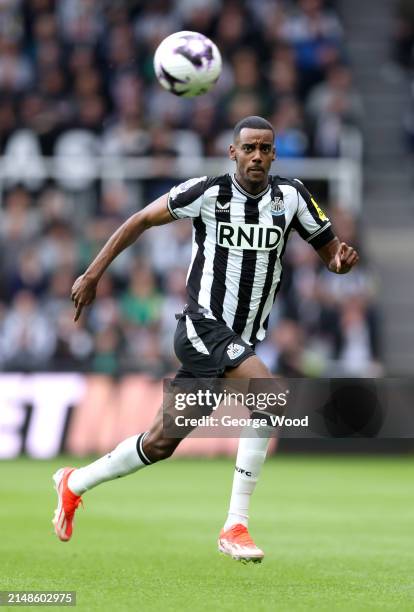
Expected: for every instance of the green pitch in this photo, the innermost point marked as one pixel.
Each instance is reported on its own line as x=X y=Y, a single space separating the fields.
x=338 y=534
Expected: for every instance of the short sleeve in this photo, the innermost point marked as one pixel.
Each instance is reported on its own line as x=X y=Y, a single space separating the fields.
x=185 y=199
x=310 y=221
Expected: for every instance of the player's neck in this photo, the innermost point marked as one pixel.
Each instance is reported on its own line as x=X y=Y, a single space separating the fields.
x=252 y=187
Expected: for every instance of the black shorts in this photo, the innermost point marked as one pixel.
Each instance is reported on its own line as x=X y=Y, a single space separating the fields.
x=206 y=347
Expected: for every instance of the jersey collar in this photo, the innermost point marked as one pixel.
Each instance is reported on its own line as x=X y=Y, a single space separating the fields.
x=246 y=193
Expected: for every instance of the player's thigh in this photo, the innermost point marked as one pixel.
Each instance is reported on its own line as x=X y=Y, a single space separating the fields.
x=252 y=367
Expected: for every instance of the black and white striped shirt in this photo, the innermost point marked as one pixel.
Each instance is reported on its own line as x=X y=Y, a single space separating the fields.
x=238 y=243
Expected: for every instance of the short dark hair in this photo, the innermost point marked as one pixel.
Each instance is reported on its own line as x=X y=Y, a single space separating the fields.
x=254 y=122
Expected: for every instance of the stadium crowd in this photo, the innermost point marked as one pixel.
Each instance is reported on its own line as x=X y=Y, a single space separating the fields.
x=76 y=80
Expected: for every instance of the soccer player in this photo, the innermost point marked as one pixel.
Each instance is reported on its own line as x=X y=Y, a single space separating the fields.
x=241 y=227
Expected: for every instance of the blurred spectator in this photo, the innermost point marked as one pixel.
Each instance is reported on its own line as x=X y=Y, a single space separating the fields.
x=80 y=21
x=125 y=134
x=15 y=71
x=11 y=19
x=58 y=248
x=141 y=303
x=242 y=105
x=235 y=28
x=349 y=309
x=404 y=33
x=106 y=350
x=403 y=56
x=331 y=105
x=7 y=119
x=121 y=54
x=283 y=75
x=288 y=337
x=358 y=349
x=176 y=297
x=408 y=122
x=28 y=273
x=291 y=138
x=73 y=346
x=58 y=294
x=287 y=351
x=178 y=238
x=316 y=36
x=19 y=225
x=156 y=20
x=26 y=338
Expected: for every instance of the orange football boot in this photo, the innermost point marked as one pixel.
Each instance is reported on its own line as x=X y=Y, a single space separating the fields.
x=237 y=543
x=67 y=505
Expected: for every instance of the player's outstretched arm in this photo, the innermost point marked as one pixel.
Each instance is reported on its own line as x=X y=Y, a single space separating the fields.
x=84 y=288
x=338 y=256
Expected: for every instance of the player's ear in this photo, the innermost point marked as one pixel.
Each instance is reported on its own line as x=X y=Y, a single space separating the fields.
x=232 y=152
x=274 y=154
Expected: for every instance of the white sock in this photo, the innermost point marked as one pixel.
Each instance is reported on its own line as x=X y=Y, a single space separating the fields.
x=250 y=458
x=126 y=458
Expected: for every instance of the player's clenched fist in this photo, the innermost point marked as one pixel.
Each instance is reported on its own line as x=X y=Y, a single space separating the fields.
x=83 y=293
x=344 y=260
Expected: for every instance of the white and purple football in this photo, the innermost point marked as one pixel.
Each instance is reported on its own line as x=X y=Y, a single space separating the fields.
x=187 y=64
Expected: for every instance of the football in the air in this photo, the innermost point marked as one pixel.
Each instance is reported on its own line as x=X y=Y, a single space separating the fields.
x=187 y=64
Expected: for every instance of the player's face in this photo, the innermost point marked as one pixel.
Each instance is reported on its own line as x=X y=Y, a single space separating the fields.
x=253 y=153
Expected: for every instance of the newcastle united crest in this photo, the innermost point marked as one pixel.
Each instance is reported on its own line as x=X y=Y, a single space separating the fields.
x=277 y=206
